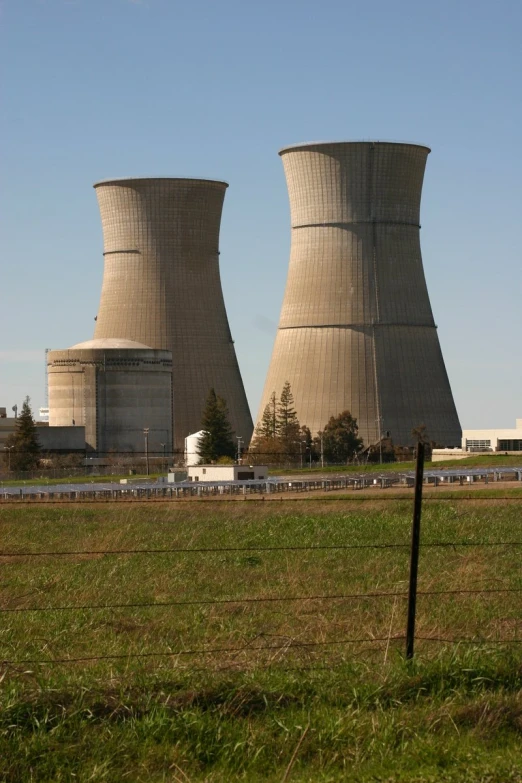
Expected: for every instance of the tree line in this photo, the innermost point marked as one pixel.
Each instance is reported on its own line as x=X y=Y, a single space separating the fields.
x=279 y=436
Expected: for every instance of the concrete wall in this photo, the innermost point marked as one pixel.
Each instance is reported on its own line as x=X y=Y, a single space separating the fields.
x=115 y=394
x=356 y=329
x=162 y=287
x=227 y=472
x=61 y=439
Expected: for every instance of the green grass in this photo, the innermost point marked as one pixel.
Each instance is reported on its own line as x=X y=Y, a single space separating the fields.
x=42 y=481
x=347 y=711
x=476 y=460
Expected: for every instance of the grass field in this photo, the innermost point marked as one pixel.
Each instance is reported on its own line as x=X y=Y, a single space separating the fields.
x=260 y=659
x=474 y=461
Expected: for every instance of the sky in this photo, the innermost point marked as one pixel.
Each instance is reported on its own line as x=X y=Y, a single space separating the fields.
x=95 y=89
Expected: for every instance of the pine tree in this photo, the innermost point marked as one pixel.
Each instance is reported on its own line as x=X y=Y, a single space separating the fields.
x=23 y=444
x=267 y=426
x=287 y=423
x=340 y=439
x=217 y=439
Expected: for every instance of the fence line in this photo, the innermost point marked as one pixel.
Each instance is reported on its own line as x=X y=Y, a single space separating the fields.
x=210 y=651
x=266 y=599
x=253 y=548
x=292 y=644
x=415 y=546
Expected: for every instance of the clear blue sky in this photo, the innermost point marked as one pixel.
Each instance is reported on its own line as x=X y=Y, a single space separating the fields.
x=109 y=88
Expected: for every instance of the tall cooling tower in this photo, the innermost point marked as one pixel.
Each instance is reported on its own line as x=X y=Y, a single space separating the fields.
x=161 y=287
x=356 y=329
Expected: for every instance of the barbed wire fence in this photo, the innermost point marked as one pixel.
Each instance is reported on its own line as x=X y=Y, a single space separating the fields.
x=264 y=643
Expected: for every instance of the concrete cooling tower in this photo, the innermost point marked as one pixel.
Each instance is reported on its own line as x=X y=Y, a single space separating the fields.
x=356 y=329
x=162 y=287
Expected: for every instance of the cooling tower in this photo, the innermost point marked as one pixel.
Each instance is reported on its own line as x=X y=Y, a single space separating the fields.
x=162 y=287
x=356 y=329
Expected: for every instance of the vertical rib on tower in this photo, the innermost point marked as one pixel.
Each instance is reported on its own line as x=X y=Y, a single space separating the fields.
x=356 y=329
x=162 y=287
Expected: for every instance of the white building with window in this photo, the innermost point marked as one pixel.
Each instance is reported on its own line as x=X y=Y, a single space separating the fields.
x=217 y=473
x=493 y=440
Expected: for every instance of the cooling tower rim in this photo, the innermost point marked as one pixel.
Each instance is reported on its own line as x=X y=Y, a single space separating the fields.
x=191 y=180
x=311 y=144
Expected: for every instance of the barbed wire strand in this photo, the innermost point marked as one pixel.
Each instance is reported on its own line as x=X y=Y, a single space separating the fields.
x=253 y=548
x=212 y=651
x=282 y=647
x=265 y=599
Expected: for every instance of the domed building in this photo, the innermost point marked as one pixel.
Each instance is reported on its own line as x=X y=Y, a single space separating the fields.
x=115 y=388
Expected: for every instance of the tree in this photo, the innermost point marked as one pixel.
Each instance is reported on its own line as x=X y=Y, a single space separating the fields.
x=420 y=435
x=267 y=426
x=278 y=434
x=23 y=444
x=340 y=439
x=217 y=439
x=287 y=423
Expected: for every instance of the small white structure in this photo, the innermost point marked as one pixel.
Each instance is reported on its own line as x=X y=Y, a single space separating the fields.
x=217 y=473
x=191 y=448
x=493 y=440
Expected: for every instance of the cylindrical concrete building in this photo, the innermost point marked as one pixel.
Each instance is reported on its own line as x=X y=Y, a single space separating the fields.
x=162 y=287
x=356 y=330
x=115 y=389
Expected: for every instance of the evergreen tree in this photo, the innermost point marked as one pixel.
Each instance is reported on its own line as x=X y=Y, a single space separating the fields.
x=217 y=439
x=265 y=446
x=278 y=437
x=340 y=438
x=288 y=429
x=23 y=444
x=266 y=428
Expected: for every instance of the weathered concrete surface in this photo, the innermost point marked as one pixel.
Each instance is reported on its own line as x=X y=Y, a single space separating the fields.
x=356 y=329
x=162 y=287
x=115 y=393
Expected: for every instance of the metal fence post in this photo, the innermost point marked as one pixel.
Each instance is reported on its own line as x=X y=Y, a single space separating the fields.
x=414 y=555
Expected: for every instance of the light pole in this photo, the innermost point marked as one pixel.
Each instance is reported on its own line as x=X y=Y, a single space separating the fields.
x=146 y=435
x=310 y=455
x=322 y=450
x=239 y=439
x=301 y=451
x=9 y=449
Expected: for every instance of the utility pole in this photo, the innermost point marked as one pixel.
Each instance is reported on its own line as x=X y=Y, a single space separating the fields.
x=239 y=439
x=146 y=435
x=322 y=450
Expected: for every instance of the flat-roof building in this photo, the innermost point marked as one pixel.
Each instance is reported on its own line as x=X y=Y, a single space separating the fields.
x=493 y=439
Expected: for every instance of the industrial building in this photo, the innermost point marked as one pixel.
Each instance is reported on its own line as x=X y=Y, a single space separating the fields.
x=493 y=439
x=356 y=329
x=227 y=472
x=7 y=427
x=118 y=392
x=162 y=288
